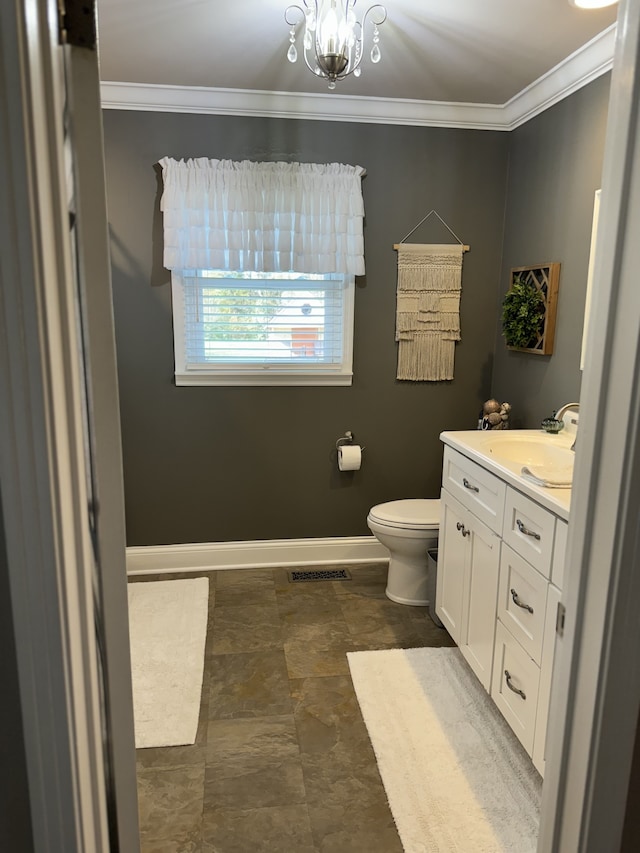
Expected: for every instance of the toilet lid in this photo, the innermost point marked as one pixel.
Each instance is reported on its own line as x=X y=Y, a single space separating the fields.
x=415 y=514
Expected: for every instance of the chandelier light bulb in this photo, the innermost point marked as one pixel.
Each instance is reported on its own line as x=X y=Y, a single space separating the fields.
x=333 y=37
x=329 y=32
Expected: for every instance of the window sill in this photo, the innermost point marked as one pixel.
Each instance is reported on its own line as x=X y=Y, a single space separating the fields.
x=267 y=377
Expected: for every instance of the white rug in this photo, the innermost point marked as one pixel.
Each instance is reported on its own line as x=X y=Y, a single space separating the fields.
x=456 y=778
x=168 y=629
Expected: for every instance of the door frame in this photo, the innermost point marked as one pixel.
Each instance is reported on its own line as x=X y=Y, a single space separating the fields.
x=93 y=272
x=596 y=683
x=48 y=395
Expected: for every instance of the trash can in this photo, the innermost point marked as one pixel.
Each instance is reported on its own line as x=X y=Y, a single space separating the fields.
x=432 y=577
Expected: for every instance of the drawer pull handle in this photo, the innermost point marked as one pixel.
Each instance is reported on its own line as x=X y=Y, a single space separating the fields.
x=468 y=485
x=460 y=526
x=526 y=530
x=518 y=603
x=507 y=675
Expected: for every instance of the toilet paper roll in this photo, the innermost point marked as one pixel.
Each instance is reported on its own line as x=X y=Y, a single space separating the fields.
x=349 y=457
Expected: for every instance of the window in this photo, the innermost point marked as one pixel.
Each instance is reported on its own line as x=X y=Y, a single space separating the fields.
x=262 y=328
x=263 y=259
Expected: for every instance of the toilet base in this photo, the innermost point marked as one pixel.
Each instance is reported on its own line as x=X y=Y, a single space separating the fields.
x=399 y=600
x=407 y=581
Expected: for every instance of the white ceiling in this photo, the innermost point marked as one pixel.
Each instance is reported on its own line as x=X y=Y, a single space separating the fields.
x=465 y=51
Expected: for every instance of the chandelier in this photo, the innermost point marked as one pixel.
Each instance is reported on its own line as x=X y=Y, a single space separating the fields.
x=333 y=36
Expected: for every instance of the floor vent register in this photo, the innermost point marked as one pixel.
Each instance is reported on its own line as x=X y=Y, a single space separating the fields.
x=320 y=575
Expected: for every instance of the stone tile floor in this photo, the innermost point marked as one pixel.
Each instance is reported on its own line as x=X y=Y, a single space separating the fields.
x=282 y=761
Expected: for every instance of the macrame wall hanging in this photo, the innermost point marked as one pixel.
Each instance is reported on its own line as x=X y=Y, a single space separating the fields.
x=428 y=307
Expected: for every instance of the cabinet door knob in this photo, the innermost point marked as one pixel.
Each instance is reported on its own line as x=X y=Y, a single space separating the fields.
x=513 y=689
x=468 y=485
x=526 y=530
x=516 y=601
x=460 y=526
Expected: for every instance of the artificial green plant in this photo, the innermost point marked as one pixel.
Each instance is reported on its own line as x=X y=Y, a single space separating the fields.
x=522 y=314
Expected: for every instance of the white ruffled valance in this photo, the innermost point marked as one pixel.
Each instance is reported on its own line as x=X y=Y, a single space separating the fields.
x=263 y=217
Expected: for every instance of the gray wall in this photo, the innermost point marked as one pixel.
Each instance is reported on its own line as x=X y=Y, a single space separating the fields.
x=223 y=464
x=631 y=828
x=15 y=819
x=216 y=464
x=555 y=166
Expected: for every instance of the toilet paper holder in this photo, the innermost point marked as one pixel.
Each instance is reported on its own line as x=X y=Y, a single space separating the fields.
x=347 y=438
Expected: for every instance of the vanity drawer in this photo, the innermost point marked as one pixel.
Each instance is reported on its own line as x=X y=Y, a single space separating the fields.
x=522 y=601
x=515 y=694
x=478 y=490
x=529 y=530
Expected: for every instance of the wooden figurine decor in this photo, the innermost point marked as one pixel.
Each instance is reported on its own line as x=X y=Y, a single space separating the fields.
x=494 y=415
x=529 y=309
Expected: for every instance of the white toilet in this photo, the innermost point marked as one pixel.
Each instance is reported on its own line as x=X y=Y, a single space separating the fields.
x=408 y=529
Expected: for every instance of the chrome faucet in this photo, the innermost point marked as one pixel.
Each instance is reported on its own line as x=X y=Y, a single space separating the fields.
x=575 y=407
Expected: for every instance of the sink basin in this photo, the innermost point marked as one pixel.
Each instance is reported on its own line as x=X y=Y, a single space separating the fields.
x=505 y=453
x=538 y=450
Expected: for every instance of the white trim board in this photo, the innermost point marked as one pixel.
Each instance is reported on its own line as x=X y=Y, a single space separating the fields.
x=580 y=68
x=262 y=554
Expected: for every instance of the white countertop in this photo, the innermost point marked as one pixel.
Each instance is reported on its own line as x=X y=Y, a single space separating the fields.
x=473 y=444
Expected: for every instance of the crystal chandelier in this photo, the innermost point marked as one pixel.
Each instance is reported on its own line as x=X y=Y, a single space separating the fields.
x=333 y=36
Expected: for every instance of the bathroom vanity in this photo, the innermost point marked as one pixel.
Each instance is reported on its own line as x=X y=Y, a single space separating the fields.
x=500 y=569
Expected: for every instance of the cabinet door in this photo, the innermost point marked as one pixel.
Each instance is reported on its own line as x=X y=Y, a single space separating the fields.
x=452 y=559
x=546 y=672
x=480 y=600
x=559 y=554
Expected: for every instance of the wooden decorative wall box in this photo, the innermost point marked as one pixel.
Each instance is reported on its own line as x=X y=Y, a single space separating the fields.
x=545 y=278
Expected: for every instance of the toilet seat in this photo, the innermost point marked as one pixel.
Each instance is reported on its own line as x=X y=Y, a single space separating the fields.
x=413 y=514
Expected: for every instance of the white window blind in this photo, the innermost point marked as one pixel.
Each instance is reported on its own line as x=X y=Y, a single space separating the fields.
x=257 y=328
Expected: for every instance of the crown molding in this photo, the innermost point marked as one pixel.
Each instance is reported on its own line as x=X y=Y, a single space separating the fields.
x=584 y=65
x=330 y=107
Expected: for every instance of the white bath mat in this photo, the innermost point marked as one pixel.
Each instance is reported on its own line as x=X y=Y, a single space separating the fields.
x=168 y=629
x=456 y=778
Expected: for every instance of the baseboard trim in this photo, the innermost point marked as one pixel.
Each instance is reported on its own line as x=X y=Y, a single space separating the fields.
x=219 y=556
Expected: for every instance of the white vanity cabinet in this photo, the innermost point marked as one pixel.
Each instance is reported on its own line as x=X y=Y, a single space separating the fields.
x=500 y=562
